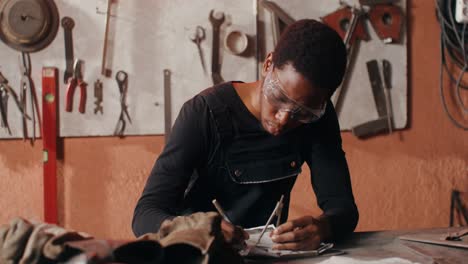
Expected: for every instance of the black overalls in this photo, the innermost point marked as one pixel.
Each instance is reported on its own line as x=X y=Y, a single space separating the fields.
x=247 y=172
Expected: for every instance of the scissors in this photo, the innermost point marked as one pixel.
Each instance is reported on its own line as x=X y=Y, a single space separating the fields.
x=26 y=86
x=122 y=80
x=197 y=38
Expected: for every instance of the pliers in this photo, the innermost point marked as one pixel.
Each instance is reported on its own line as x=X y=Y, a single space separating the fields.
x=73 y=82
x=6 y=90
x=27 y=85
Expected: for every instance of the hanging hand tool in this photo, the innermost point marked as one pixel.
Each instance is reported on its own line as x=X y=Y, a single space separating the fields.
x=348 y=23
x=3 y=110
x=27 y=86
x=167 y=103
x=50 y=79
x=198 y=37
x=122 y=80
x=98 y=96
x=6 y=91
x=68 y=24
x=387 y=21
x=73 y=82
x=386 y=73
x=381 y=124
x=106 y=65
x=279 y=19
x=215 y=49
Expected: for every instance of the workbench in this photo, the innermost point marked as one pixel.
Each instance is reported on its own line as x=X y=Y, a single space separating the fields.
x=385 y=246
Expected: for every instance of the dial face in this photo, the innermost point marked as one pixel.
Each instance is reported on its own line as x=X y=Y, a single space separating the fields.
x=28 y=25
x=26 y=20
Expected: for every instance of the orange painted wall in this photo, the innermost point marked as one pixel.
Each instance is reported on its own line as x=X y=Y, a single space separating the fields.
x=400 y=181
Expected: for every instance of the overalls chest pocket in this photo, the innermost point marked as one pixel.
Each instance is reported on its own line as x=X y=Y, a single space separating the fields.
x=257 y=171
x=254 y=159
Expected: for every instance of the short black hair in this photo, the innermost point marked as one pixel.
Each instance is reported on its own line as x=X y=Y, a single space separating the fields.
x=315 y=50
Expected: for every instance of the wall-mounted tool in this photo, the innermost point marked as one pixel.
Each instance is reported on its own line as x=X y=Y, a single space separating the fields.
x=382 y=123
x=106 y=66
x=279 y=19
x=122 y=80
x=49 y=138
x=28 y=26
x=73 y=82
x=215 y=49
x=68 y=24
x=348 y=22
x=98 y=95
x=167 y=103
x=387 y=21
x=27 y=86
x=197 y=38
x=387 y=76
x=4 y=109
x=6 y=91
x=236 y=42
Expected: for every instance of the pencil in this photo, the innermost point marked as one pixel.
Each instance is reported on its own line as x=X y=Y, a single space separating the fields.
x=221 y=211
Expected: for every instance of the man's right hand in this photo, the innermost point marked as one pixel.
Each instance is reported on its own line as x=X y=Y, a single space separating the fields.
x=234 y=235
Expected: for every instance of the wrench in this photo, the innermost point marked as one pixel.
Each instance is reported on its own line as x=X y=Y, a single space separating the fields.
x=215 y=64
x=68 y=24
x=197 y=38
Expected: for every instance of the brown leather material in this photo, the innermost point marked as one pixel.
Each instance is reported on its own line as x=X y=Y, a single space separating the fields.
x=56 y=247
x=24 y=242
x=198 y=230
x=196 y=238
x=14 y=240
x=96 y=250
x=139 y=252
x=193 y=239
x=33 y=250
x=118 y=251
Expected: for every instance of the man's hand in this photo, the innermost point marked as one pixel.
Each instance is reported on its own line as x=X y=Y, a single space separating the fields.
x=304 y=233
x=234 y=235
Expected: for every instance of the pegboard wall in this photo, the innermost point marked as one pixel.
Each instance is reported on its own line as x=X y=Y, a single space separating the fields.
x=147 y=37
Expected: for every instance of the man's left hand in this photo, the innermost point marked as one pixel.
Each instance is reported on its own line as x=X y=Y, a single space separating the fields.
x=304 y=233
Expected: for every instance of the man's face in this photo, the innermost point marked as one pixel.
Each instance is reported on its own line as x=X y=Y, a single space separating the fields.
x=289 y=100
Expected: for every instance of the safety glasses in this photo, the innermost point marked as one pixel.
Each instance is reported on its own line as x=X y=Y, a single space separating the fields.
x=277 y=97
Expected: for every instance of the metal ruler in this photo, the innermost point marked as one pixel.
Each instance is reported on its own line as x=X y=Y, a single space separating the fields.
x=49 y=135
x=167 y=103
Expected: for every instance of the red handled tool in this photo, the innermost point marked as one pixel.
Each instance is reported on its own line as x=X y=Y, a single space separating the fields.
x=73 y=82
x=49 y=134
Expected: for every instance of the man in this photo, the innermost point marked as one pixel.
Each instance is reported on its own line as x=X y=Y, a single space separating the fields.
x=244 y=144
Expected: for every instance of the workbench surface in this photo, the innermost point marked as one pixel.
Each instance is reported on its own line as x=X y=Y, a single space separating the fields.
x=386 y=247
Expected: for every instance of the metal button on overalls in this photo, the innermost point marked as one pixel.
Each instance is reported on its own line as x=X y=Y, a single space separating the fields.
x=238 y=173
x=293 y=164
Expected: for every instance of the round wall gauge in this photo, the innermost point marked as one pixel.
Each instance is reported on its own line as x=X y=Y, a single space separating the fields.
x=28 y=25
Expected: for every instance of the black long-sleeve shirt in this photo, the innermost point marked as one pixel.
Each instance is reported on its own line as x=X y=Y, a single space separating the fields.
x=193 y=141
